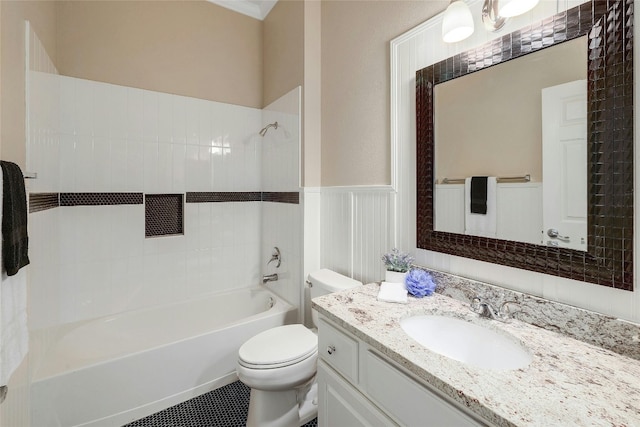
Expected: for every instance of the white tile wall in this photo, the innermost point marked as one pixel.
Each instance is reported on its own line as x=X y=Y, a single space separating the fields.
x=281 y=147
x=15 y=410
x=42 y=132
x=89 y=261
x=282 y=227
x=118 y=139
x=282 y=222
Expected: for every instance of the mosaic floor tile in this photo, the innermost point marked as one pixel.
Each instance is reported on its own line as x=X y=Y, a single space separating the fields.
x=224 y=407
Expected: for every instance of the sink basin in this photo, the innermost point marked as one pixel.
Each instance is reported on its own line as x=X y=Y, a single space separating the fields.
x=467 y=342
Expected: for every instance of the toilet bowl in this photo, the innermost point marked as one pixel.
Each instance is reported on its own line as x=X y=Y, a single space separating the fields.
x=279 y=365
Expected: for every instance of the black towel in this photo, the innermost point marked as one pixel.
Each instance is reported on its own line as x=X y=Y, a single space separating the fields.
x=15 y=241
x=479 y=195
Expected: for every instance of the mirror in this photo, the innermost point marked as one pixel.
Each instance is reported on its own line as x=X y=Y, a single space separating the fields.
x=502 y=112
x=608 y=259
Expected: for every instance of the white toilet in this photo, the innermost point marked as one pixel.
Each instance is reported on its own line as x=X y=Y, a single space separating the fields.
x=279 y=365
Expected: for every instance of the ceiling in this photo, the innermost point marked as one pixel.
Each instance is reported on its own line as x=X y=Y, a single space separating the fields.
x=257 y=9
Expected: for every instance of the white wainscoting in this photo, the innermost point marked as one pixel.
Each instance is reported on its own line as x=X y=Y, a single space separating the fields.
x=356 y=225
x=519 y=210
x=449 y=209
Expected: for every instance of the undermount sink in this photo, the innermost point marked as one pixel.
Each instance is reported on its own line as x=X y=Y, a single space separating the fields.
x=467 y=342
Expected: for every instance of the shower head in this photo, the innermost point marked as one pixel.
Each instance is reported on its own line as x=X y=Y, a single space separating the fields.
x=266 y=128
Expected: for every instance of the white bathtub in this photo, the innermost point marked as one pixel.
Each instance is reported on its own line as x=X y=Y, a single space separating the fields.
x=114 y=370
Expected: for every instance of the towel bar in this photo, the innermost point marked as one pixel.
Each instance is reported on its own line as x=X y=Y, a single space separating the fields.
x=30 y=175
x=526 y=178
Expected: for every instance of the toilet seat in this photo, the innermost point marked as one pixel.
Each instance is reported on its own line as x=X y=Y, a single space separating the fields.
x=278 y=347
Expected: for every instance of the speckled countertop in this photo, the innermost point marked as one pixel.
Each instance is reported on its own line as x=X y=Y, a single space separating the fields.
x=568 y=383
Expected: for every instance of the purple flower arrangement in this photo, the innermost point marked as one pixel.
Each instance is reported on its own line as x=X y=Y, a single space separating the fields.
x=419 y=283
x=397 y=261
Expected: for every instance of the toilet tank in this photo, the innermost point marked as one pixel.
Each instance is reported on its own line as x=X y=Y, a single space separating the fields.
x=326 y=281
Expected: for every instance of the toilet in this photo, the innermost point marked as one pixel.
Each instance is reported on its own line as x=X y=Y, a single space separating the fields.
x=279 y=365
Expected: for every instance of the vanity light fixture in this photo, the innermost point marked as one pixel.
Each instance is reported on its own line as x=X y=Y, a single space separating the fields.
x=457 y=22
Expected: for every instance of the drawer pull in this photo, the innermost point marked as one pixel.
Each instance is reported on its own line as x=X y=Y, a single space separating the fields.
x=331 y=349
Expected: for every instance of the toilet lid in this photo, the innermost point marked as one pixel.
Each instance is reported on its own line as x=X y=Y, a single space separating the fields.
x=280 y=346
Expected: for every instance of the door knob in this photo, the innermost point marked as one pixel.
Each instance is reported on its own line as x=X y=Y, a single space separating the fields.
x=553 y=233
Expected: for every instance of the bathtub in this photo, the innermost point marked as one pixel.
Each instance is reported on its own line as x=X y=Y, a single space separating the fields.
x=113 y=370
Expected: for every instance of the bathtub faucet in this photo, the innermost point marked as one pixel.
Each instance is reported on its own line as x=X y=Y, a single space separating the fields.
x=269 y=278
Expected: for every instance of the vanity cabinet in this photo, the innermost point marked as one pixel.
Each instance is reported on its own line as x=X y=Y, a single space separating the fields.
x=341 y=404
x=358 y=386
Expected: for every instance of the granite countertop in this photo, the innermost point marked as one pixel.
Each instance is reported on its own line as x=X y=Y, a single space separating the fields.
x=569 y=382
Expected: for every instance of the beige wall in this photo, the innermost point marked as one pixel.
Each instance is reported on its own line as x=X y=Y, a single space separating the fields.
x=312 y=95
x=191 y=48
x=195 y=48
x=291 y=43
x=283 y=49
x=490 y=122
x=41 y=14
x=355 y=85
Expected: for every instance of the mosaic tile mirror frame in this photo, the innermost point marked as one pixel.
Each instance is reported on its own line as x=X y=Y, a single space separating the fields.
x=608 y=25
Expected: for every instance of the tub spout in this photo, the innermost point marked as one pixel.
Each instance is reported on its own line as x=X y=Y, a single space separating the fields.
x=269 y=278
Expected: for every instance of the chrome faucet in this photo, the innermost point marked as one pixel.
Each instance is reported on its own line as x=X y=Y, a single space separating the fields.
x=275 y=256
x=269 y=278
x=486 y=310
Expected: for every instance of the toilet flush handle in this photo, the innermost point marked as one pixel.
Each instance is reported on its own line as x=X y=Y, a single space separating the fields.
x=331 y=349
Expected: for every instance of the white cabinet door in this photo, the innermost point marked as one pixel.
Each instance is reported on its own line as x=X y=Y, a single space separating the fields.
x=403 y=399
x=340 y=405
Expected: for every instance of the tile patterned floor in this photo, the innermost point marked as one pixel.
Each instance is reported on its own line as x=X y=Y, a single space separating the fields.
x=224 y=407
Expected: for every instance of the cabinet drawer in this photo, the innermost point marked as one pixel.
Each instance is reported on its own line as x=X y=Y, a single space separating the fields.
x=406 y=400
x=339 y=350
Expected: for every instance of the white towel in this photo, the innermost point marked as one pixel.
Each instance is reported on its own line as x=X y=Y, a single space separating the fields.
x=14 y=336
x=479 y=224
x=393 y=292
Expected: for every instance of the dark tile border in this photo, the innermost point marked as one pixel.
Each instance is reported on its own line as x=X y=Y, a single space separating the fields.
x=42 y=201
x=222 y=196
x=281 y=197
x=252 y=196
x=609 y=261
x=99 y=199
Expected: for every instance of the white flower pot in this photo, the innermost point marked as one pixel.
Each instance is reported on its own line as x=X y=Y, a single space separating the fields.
x=394 y=276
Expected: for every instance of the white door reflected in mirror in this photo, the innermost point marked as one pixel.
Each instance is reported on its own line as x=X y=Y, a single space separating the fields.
x=564 y=165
